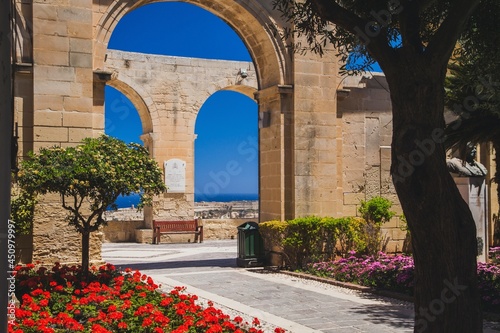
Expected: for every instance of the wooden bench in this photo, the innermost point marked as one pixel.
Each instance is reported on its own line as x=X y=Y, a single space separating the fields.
x=177 y=227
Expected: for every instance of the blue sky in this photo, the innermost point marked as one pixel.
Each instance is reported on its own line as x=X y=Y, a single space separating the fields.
x=227 y=122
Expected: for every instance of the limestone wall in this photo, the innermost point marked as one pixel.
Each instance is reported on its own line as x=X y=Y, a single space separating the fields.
x=121 y=231
x=135 y=231
x=365 y=111
x=55 y=241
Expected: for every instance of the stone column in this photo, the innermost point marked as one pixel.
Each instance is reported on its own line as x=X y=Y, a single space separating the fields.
x=175 y=140
x=63 y=111
x=276 y=162
x=317 y=136
x=63 y=78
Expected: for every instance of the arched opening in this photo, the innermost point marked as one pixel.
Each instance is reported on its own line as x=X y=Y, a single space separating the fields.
x=226 y=157
x=223 y=44
x=121 y=119
x=252 y=21
x=254 y=25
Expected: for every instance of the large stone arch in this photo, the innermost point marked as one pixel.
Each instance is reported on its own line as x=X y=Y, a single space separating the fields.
x=256 y=23
x=252 y=21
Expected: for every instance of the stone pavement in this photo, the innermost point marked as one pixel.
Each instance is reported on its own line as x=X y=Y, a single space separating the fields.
x=209 y=271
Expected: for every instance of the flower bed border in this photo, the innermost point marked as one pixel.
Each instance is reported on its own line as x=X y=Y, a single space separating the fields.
x=385 y=293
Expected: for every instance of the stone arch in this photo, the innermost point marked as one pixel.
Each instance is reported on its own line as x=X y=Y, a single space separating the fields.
x=139 y=98
x=253 y=22
x=243 y=89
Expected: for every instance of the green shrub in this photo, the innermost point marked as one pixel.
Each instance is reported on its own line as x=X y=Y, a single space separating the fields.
x=329 y=233
x=22 y=211
x=302 y=240
x=350 y=235
x=272 y=233
x=375 y=212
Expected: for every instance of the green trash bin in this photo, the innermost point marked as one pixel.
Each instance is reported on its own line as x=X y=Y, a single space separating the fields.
x=250 y=246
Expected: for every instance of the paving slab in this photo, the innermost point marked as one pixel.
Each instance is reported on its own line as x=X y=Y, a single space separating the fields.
x=209 y=271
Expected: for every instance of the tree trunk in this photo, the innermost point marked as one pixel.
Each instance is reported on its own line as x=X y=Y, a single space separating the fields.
x=85 y=253
x=442 y=227
x=496 y=226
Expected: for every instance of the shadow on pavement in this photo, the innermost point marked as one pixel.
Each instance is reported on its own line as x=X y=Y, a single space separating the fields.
x=198 y=263
x=389 y=315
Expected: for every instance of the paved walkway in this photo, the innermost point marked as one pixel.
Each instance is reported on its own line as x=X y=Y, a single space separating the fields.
x=300 y=306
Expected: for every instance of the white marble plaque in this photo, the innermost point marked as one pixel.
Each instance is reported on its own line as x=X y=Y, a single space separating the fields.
x=175 y=175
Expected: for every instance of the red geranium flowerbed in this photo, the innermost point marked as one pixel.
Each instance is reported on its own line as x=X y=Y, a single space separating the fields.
x=109 y=301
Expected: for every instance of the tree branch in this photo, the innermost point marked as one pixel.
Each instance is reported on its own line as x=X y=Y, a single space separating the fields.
x=424 y=4
x=442 y=44
x=378 y=46
x=410 y=27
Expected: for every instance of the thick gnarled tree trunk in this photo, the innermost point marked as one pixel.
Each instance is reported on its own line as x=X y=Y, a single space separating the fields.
x=441 y=225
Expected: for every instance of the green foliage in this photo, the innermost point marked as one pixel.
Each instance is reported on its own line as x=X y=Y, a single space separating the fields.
x=376 y=210
x=22 y=209
x=363 y=32
x=91 y=176
x=301 y=242
x=272 y=233
x=313 y=238
x=350 y=235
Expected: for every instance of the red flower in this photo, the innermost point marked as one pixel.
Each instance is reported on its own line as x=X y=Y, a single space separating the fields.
x=166 y=301
x=29 y=322
x=147 y=322
x=37 y=292
x=115 y=315
x=96 y=328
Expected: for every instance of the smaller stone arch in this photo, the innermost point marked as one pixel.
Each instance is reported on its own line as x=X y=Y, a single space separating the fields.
x=246 y=90
x=139 y=98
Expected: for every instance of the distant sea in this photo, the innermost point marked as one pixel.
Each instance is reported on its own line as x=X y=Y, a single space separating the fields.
x=128 y=201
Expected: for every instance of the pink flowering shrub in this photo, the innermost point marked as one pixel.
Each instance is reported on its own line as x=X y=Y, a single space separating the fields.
x=494 y=255
x=395 y=273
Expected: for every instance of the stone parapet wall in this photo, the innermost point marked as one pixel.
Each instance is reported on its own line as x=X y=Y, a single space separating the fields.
x=121 y=231
x=135 y=231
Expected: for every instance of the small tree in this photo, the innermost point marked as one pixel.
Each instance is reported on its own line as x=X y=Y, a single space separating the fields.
x=375 y=212
x=89 y=178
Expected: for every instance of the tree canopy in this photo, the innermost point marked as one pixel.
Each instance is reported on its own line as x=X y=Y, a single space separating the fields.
x=412 y=41
x=90 y=177
x=386 y=31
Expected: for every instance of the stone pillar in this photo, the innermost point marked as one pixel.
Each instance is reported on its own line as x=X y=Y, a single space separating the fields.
x=317 y=136
x=175 y=140
x=275 y=161
x=62 y=111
